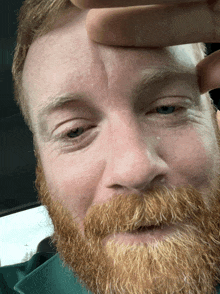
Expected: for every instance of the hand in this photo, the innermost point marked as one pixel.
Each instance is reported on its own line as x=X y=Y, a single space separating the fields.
x=163 y=23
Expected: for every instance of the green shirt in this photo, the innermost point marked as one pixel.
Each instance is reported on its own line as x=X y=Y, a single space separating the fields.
x=42 y=274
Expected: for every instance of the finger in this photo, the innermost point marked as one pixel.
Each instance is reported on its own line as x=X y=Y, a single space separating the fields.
x=209 y=72
x=86 y=4
x=218 y=118
x=153 y=26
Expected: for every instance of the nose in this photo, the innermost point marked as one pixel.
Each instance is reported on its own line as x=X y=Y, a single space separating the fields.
x=133 y=161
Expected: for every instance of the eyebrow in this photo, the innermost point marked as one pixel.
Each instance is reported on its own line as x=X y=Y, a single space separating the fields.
x=164 y=75
x=150 y=79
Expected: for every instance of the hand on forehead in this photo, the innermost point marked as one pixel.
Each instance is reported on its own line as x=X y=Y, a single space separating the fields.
x=158 y=23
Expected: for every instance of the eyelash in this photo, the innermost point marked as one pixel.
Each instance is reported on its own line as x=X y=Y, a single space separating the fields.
x=77 y=140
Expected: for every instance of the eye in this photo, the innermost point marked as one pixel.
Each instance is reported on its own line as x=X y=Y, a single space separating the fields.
x=167 y=109
x=75 y=135
x=78 y=137
x=75 y=132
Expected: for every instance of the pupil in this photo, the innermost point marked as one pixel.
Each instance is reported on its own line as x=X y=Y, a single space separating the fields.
x=75 y=133
x=168 y=109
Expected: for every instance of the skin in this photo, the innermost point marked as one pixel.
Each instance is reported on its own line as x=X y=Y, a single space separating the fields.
x=138 y=165
x=161 y=24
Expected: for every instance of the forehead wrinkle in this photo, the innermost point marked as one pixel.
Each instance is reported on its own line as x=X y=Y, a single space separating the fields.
x=103 y=64
x=106 y=57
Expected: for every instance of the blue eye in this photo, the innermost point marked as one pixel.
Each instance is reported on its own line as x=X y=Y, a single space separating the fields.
x=166 y=109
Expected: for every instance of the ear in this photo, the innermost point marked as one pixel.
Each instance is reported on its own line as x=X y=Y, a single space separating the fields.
x=218 y=118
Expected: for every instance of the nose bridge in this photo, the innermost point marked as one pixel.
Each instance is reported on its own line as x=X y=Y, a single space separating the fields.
x=133 y=161
x=127 y=138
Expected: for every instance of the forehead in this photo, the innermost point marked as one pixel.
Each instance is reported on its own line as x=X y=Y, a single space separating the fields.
x=66 y=60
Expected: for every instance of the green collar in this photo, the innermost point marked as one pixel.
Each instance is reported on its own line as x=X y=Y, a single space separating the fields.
x=50 y=277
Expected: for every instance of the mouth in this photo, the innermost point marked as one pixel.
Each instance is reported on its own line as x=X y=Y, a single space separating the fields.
x=144 y=234
x=143 y=229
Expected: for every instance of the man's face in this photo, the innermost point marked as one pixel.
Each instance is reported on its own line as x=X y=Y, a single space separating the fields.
x=134 y=144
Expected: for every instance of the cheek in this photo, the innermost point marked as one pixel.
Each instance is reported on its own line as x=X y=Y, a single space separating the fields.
x=190 y=156
x=73 y=181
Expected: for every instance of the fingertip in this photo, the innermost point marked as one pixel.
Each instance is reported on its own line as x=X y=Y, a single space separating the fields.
x=92 y=25
x=100 y=26
x=209 y=72
x=82 y=4
x=218 y=118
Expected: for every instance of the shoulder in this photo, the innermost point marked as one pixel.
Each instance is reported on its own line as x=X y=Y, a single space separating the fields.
x=10 y=275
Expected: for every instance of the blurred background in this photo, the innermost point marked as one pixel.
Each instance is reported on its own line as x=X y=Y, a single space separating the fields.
x=17 y=161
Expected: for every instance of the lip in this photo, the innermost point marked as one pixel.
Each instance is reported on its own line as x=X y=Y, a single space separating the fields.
x=147 y=236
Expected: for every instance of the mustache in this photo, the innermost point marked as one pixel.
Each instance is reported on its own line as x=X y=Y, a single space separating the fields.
x=160 y=206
